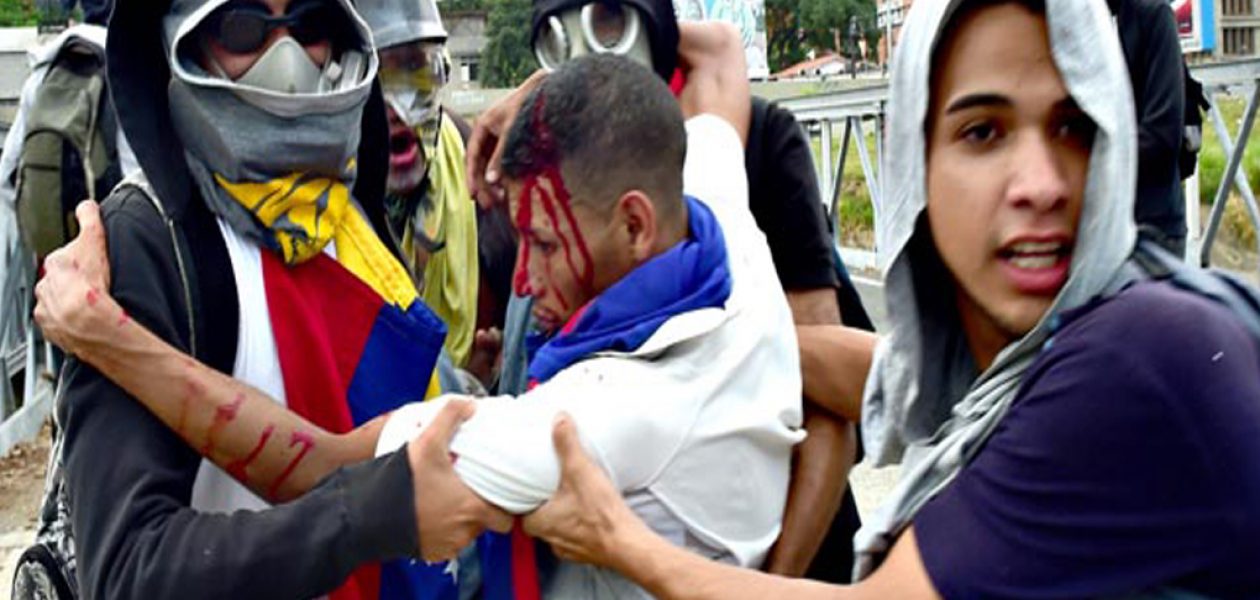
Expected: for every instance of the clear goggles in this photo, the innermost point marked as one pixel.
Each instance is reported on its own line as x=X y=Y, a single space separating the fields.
x=598 y=27
x=418 y=68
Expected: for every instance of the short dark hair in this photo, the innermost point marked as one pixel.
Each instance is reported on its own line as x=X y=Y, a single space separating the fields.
x=610 y=125
x=949 y=29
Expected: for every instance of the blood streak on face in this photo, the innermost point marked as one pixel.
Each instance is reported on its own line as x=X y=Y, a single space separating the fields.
x=550 y=230
x=567 y=285
x=524 y=216
x=307 y=441
x=224 y=414
x=93 y=297
x=237 y=467
x=586 y=275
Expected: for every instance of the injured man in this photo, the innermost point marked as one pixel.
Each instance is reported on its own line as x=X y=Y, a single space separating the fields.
x=670 y=342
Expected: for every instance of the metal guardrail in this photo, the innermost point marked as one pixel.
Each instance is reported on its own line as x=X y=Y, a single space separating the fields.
x=1237 y=78
x=858 y=108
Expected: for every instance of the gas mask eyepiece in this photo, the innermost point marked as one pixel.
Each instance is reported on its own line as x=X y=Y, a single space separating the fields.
x=595 y=28
x=411 y=77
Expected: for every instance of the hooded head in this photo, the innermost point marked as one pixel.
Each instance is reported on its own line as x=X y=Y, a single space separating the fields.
x=414 y=68
x=645 y=31
x=198 y=134
x=1009 y=199
x=143 y=65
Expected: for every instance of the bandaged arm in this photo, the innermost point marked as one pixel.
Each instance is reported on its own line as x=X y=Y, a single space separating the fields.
x=504 y=452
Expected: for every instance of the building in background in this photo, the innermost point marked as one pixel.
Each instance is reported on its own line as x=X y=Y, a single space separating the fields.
x=830 y=64
x=465 y=45
x=1239 y=26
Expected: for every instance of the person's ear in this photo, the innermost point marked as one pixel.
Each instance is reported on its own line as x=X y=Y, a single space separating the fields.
x=638 y=218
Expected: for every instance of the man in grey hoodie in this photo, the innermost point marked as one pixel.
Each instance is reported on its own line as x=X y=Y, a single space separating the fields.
x=1068 y=424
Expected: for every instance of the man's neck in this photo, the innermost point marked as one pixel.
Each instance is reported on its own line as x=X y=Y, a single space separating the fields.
x=985 y=337
x=674 y=231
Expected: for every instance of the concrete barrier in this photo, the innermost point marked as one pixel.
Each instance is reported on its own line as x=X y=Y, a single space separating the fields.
x=14 y=68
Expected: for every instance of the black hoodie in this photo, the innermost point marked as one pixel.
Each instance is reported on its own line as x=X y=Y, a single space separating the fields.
x=1148 y=34
x=128 y=477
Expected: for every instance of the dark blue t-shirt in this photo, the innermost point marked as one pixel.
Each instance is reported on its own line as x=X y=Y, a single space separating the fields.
x=1130 y=460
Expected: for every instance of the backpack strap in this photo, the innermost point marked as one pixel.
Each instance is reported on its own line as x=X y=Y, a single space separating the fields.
x=1223 y=288
x=205 y=271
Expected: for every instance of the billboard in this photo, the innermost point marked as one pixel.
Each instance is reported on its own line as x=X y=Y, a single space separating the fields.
x=749 y=16
x=1196 y=24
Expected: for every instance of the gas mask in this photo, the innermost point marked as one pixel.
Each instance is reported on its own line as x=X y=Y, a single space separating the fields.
x=287 y=68
x=411 y=77
x=594 y=28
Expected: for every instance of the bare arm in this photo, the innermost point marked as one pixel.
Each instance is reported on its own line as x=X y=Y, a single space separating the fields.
x=587 y=521
x=820 y=465
x=275 y=452
x=820 y=473
x=835 y=361
x=712 y=57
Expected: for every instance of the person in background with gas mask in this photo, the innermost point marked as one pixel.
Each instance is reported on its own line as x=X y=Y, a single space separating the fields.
x=427 y=205
x=821 y=517
x=253 y=246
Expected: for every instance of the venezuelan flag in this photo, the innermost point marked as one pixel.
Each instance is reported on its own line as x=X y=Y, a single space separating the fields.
x=348 y=356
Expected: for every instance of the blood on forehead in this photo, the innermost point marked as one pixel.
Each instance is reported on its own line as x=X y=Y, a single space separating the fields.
x=546 y=185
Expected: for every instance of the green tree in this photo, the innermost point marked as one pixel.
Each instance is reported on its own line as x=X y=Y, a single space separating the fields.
x=794 y=27
x=18 y=13
x=508 y=58
x=784 y=37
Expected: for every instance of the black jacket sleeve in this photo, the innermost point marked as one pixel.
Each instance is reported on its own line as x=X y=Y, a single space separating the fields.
x=129 y=479
x=784 y=199
x=1158 y=87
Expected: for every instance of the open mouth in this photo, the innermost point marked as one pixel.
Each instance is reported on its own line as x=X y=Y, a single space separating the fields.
x=404 y=148
x=1037 y=267
x=1035 y=255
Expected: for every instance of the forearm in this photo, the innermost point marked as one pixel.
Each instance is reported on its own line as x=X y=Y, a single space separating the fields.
x=672 y=573
x=273 y=451
x=717 y=78
x=129 y=479
x=820 y=473
x=835 y=361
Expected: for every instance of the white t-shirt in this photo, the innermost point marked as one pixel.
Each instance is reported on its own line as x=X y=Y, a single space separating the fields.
x=696 y=426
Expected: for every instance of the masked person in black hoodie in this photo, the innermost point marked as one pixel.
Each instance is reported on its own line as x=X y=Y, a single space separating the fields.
x=783 y=195
x=252 y=245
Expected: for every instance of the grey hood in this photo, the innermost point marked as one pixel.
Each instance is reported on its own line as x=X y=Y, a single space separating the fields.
x=138 y=54
x=925 y=406
x=238 y=133
x=186 y=15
